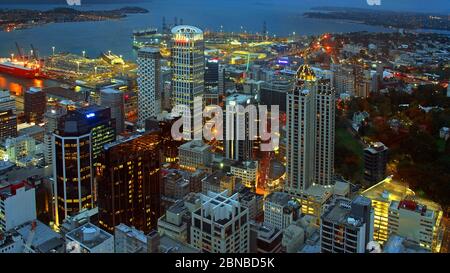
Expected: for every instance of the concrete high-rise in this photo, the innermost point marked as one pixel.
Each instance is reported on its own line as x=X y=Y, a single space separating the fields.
x=188 y=68
x=149 y=83
x=375 y=162
x=114 y=99
x=310 y=132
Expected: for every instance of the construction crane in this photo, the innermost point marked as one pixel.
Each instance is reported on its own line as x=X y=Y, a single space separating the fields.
x=19 y=50
x=27 y=246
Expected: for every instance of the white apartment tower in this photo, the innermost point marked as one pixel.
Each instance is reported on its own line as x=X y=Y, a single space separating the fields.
x=220 y=225
x=149 y=84
x=310 y=132
x=188 y=66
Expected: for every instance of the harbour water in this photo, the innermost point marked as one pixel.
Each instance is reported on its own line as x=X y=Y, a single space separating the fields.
x=282 y=18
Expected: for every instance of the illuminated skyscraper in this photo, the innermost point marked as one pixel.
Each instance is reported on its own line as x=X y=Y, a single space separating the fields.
x=300 y=124
x=310 y=132
x=188 y=66
x=149 y=82
x=129 y=180
x=325 y=102
x=77 y=143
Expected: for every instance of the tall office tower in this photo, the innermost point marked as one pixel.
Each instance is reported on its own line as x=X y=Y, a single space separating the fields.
x=310 y=132
x=347 y=226
x=51 y=119
x=220 y=225
x=375 y=161
x=113 y=99
x=211 y=74
x=149 y=83
x=238 y=127
x=188 y=67
x=129 y=183
x=300 y=133
x=77 y=143
x=325 y=131
x=8 y=117
x=35 y=102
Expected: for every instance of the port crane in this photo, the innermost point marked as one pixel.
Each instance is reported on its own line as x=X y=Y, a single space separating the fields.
x=35 y=53
x=19 y=50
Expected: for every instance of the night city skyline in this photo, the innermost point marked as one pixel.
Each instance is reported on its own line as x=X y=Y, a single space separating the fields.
x=270 y=129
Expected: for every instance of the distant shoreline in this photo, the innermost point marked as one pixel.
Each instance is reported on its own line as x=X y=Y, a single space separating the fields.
x=384 y=18
x=17 y=18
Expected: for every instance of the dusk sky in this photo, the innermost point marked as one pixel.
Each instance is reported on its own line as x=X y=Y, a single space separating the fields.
x=441 y=6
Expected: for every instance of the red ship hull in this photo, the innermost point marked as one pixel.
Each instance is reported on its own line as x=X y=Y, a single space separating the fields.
x=20 y=72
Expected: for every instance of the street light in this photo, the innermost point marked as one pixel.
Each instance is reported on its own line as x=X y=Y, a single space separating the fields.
x=78 y=66
x=84 y=54
x=53 y=50
x=12 y=56
x=109 y=52
x=95 y=69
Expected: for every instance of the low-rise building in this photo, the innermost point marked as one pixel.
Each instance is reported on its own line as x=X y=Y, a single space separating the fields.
x=254 y=202
x=89 y=239
x=193 y=155
x=280 y=210
x=264 y=238
x=17 y=205
x=220 y=181
x=347 y=226
x=418 y=221
x=247 y=171
x=129 y=240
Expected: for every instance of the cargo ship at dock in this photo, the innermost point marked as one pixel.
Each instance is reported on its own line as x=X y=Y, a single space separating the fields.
x=21 y=69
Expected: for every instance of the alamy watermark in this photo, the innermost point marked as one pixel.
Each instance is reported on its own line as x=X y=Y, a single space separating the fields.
x=242 y=123
x=373 y=2
x=73 y=2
